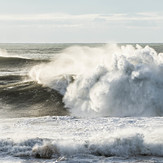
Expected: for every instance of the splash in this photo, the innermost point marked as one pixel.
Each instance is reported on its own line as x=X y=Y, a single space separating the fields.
x=121 y=146
x=109 y=80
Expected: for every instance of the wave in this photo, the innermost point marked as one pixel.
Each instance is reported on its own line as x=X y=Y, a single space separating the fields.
x=28 y=98
x=125 y=146
x=8 y=78
x=109 y=80
x=8 y=60
x=17 y=61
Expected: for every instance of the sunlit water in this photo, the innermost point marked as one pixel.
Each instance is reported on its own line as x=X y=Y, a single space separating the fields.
x=81 y=103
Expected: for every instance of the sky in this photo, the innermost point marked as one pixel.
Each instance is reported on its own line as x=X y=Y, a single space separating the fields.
x=81 y=21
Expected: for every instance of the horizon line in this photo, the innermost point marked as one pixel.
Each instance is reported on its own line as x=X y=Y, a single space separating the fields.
x=81 y=42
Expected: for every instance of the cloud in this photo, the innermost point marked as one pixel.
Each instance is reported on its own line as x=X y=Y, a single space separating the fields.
x=63 y=20
x=39 y=17
x=63 y=16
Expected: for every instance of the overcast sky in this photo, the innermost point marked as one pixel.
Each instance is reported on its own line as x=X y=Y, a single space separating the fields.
x=79 y=21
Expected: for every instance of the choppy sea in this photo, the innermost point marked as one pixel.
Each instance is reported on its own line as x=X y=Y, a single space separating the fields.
x=81 y=103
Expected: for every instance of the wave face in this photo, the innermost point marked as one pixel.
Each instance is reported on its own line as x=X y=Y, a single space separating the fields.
x=29 y=99
x=20 y=97
x=109 y=80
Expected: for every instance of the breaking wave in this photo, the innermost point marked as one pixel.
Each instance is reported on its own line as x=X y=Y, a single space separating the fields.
x=109 y=80
x=124 y=146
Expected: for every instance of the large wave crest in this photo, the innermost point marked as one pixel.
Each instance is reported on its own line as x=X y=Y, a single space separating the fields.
x=110 y=80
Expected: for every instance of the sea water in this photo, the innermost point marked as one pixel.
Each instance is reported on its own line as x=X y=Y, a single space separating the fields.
x=81 y=103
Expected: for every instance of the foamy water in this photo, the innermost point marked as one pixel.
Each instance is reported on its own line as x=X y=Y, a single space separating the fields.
x=89 y=139
x=94 y=103
x=106 y=81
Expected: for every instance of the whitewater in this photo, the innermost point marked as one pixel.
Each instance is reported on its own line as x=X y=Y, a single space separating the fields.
x=106 y=81
x=81 y=103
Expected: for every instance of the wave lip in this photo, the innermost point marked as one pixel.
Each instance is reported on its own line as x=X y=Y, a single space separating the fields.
x=108 y=80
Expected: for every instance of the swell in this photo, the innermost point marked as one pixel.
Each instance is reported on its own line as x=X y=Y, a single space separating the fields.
x=24 y=99
x=11 y=78
x=17 y=61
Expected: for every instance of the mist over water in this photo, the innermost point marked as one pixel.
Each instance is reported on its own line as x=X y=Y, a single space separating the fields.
x=109 y=80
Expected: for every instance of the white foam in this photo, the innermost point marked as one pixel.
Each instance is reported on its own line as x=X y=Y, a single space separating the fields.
x=58 y=137
x=108 y=80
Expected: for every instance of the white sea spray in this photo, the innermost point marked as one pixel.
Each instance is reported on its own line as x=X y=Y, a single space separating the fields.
x=109 y=80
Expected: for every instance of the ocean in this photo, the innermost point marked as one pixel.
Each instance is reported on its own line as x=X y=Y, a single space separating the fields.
x=82 y=103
